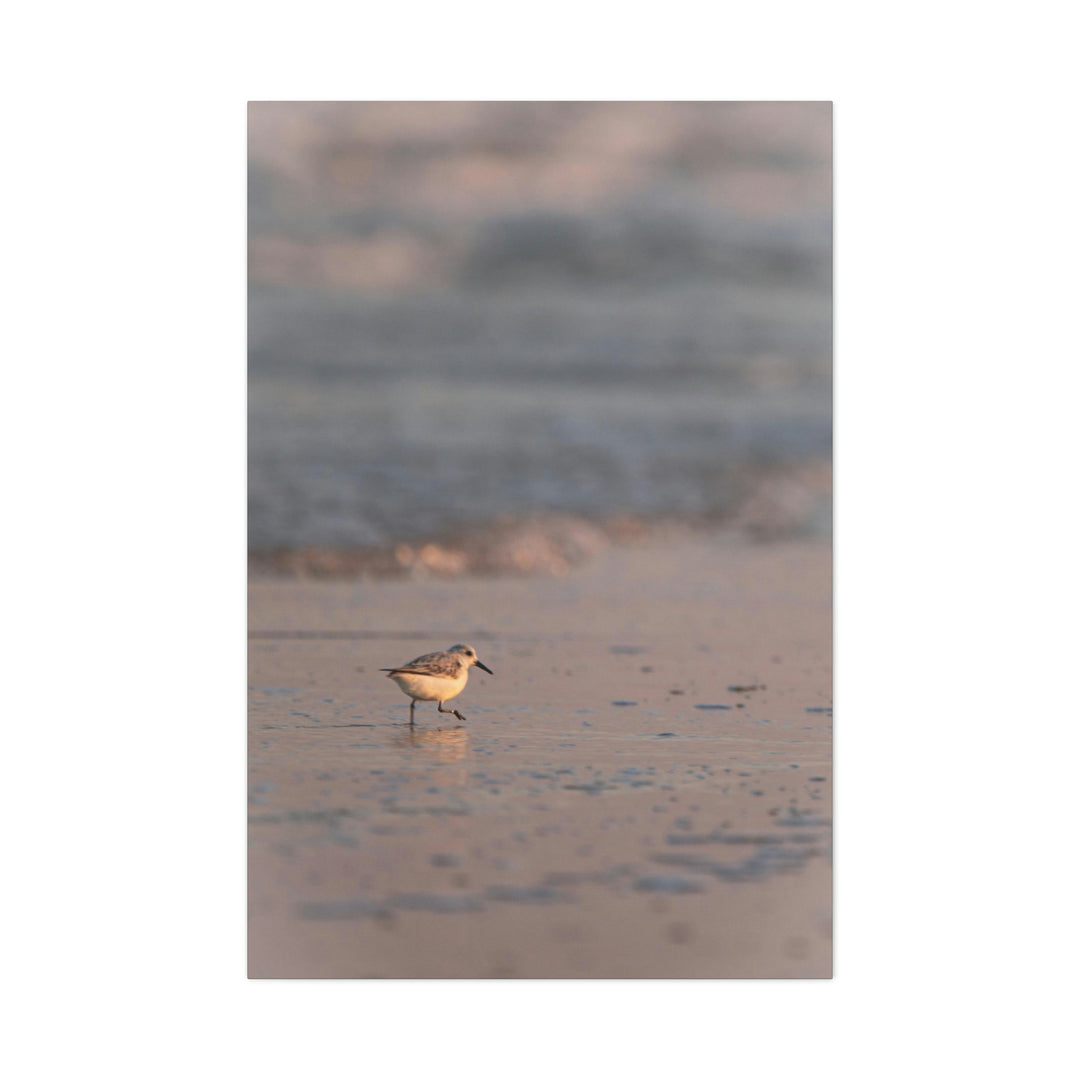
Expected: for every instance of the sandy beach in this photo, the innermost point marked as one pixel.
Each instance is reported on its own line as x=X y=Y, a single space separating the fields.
x=642 y=789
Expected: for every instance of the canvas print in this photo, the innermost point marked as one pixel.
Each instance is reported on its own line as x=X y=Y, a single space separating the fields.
x=539 y=529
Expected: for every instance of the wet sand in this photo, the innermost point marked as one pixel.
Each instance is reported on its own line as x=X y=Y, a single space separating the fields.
x=642 y=790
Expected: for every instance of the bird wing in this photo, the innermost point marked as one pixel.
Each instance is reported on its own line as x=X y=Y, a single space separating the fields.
x=436 y=665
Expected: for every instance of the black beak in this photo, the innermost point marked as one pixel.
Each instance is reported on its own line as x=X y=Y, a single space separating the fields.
x=485 y=667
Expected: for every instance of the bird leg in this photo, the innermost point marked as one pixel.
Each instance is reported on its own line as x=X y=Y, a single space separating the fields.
x=412 y=707
x=454 y=711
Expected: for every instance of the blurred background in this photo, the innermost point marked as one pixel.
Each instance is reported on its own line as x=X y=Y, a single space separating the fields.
x=465 y=316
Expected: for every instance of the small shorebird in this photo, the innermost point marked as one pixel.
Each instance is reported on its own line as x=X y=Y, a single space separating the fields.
x=437 y=676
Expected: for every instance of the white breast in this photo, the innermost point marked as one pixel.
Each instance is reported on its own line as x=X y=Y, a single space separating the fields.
x=429 y=688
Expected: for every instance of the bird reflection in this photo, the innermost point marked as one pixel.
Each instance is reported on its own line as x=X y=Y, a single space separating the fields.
x=451 y=745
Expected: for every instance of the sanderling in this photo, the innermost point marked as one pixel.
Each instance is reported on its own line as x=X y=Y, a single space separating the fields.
x=437 y=676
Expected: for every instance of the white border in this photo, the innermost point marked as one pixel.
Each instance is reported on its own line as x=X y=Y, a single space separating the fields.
x=956 y=231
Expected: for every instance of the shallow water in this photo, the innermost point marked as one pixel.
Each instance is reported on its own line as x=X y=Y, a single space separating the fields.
x=559 y=832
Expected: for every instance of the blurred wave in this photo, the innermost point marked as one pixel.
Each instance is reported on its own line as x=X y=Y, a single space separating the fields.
x=463 y=311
